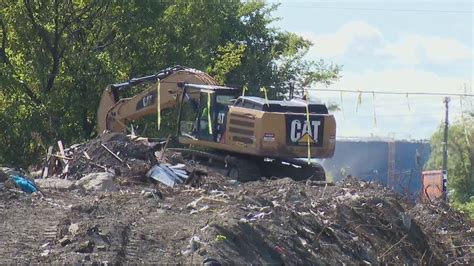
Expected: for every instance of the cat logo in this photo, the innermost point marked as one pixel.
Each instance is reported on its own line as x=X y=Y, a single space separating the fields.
x=147 y=100
x=306 y=138
x=300 y=132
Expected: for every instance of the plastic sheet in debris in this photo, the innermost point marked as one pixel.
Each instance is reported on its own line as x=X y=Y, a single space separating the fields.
x=167 y=174
x=24 y=184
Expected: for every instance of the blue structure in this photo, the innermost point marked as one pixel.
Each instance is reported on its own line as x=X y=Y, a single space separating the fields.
x=370 y=160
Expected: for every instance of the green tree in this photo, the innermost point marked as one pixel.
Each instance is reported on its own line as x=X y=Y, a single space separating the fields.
x=460 y=158
x=50 y=69
x=56 y=57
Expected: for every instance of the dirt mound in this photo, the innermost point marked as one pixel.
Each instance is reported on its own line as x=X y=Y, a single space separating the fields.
x=447 y=228
x=262 y=222
x=351 y=222
x=271 y=221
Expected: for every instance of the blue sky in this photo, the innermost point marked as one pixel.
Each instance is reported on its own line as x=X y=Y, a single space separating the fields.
x=415 y=46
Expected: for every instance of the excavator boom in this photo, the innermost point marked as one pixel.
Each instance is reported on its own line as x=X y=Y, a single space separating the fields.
x=114 y=113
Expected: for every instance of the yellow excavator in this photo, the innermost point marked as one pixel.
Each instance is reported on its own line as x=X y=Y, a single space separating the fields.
x=249 y=137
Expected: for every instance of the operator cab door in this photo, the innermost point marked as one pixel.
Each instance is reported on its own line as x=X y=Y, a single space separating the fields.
x=212 y=115
x=197 y=117
x=205 y=117
x=204 y=127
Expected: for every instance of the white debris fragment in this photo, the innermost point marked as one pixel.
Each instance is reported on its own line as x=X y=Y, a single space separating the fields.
x=167 y=174
x=303 y=242
x=73 y=228
x=204 y=208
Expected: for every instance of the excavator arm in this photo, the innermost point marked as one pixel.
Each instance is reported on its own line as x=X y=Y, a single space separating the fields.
x=114 y=112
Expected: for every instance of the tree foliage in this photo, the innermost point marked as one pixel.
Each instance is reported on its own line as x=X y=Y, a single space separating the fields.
x=57 y=56
x=460 y=158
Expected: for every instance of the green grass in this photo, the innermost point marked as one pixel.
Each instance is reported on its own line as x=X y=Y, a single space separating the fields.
x=467 y=208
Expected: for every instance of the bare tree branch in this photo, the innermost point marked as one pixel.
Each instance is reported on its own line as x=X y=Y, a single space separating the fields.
x=53 y=47
x=3 y=54
x=77 y=17
x=39 y=29
x=6 y=60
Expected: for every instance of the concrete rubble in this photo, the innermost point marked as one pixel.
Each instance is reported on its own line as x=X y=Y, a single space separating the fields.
x=55 y=183
x=100 y=182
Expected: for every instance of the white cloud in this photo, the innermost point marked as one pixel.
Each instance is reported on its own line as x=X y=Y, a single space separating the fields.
x=403 y=79
x=336 y=44
x=417 y=116
x=413 y=49
x=359 y=36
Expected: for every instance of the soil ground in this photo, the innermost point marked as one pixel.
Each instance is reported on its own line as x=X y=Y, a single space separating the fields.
x=272 y=221
x=261 y=222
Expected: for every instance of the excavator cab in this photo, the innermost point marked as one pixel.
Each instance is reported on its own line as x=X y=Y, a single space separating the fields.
x=205 y=118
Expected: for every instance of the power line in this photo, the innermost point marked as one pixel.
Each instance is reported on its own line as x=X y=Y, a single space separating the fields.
x=340 y=90
x=380 y=9
x=391 y=115
x=395 y=92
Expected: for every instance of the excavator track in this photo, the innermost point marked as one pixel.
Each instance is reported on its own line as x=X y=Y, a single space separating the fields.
x=231 y=166
x=251 y=168
x=296 y=169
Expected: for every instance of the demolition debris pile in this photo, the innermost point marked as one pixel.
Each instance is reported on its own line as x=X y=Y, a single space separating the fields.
x=114 y=153
x=262 y=222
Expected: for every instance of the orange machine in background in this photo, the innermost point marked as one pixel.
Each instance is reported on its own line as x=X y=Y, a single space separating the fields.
x=432 y=185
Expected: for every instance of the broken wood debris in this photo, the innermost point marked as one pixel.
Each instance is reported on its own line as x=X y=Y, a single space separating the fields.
x=61 y=157
x=57 y=164
x=111 y=152
x=115 y=155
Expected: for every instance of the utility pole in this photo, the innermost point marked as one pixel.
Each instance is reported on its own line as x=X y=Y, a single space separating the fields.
x=445 y=148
